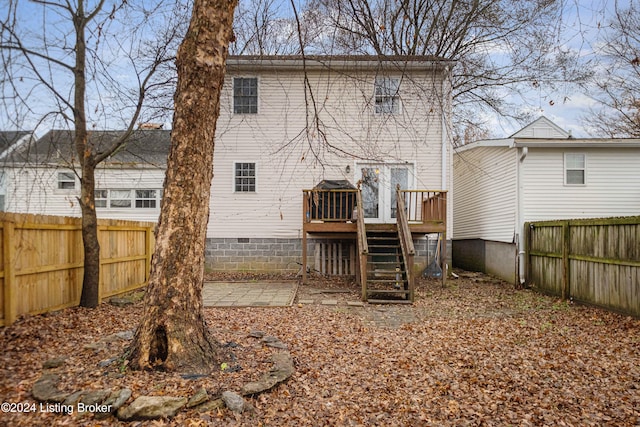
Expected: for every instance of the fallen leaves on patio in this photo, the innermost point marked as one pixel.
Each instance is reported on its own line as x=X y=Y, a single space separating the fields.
x=476 y=352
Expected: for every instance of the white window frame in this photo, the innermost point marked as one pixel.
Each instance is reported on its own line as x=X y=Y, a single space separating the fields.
x=567 y=168
x=386 y=89
x=99 y=200
x=138 y=198
x=3 y=190
x=66 y=177
x=113 y=199
x=255 y=178
x=233 y=94
x=106 y=202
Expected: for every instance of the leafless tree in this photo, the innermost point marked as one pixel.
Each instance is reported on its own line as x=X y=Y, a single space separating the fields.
x=616 y=85
x=503 y=48
x=75 y=59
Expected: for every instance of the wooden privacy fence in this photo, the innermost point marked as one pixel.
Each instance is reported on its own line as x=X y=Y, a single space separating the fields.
x=41 y=261
x=595 y=261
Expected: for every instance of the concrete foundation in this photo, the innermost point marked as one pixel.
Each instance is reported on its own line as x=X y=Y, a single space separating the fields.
x=498 y=259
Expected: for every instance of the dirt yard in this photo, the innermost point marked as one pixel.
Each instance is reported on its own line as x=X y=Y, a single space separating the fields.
x=476 y=352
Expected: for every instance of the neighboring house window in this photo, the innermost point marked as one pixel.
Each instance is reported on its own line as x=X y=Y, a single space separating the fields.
x=101 y=198
x=575 y=169
x=245 y=177
x=245 y=95
x=66 y=181
x=387 y=98
x=120 y=198
x=3 y=190
x=146 y=199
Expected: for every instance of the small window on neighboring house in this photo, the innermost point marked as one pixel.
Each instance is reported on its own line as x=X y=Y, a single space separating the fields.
x=101 y=198
x=575 y=168
x=66 y=181
x=3 y=190
x=245 y=177
x=146 y=199
x=120 y=198
x=245 y=95
x=387 y=98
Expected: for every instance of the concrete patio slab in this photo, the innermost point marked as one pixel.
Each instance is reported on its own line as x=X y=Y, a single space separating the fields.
x=249 y=294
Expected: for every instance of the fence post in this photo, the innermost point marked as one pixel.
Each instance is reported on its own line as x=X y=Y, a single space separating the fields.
x=148 y=252
x=9 y=274
x=527 y=258
x=566 y=237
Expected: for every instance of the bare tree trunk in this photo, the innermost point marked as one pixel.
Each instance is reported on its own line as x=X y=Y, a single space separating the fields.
x=172 y=334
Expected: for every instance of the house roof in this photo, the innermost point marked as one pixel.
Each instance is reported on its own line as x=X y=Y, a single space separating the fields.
x=371 y=62
x=9 y=138
x=145 y=147
x=541 y=127
x=542 y=132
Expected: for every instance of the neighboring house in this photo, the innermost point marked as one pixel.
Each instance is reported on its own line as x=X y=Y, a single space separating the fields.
x=287 y=124
x=9 y=140
x=42 y=175
x=539 y=173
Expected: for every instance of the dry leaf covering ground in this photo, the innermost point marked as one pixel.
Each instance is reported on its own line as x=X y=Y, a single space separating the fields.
x=477 y=352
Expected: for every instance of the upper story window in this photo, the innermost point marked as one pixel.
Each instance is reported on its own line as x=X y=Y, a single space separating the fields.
x=245 y=177
x=101 y=198
x=66 y=181
x=245 y=95
x=146 y=199
x=387 y=97
x=575 y=169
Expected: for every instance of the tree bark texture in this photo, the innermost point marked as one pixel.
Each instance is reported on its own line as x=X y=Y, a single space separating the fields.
x=173 y=334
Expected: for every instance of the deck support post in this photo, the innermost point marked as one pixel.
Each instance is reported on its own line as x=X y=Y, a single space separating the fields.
x=304 y=256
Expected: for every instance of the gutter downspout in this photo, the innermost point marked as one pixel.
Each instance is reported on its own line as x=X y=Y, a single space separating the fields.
x=445 y=131
x=520 y=243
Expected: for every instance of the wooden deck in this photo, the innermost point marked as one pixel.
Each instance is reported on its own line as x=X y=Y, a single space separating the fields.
x=338 y=214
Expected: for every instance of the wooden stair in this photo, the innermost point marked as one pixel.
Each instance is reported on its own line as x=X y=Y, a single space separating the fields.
x=386 y=280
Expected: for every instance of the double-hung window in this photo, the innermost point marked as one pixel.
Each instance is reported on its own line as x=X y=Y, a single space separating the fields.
x=245 y=177
x=146 y=199
x=245 y=95
x=387 y=97
x=66 y=181
x=575 y=169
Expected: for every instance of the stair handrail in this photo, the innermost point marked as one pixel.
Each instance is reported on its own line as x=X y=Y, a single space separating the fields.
x=406 y=242
x=363 y=246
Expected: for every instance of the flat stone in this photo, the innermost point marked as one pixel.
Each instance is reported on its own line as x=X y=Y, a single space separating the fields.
x=95 y=397
x=151 y=407
x=270 y=338
x=282 y=370
x=115 y=401
x=211 y=405
x=121 y=301
x=355 y=303
x=45 y=389
x=277 y=344
x=306 y=301
x=329 y=302
x=54 y=363
x=200 y=397
x=233 y=401
x=256 y=334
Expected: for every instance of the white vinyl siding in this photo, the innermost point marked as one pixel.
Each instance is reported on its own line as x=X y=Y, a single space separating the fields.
x=613 y=184
x=34 y=190
x=291 y=159
x=484 y=180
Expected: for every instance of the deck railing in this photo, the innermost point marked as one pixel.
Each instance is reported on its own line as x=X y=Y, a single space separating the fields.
x=424 y=205
x=328 y=205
